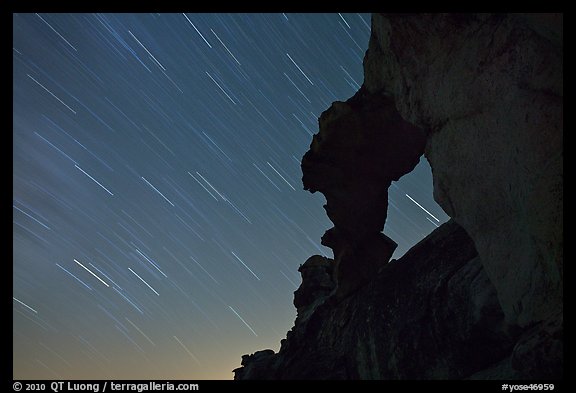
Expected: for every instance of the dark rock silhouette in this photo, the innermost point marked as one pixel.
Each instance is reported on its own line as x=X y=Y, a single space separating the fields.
x=389 y=328
x=317 y=283
x=362 y=146
x=480 y=96
x=256 y=366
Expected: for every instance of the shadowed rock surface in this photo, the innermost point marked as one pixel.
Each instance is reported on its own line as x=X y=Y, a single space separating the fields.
x=431 y=314
x=481 y=297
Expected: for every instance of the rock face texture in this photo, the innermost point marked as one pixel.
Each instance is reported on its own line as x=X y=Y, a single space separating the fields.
x=488 y=90
x=481 y=97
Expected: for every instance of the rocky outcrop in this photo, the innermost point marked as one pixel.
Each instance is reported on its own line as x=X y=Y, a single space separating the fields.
x=488 y=89
x=431 y=314
x=481 y=297
x=317 y=284
x=362 y=146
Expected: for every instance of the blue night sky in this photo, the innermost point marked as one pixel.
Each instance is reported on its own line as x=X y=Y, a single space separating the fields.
x=158 y=211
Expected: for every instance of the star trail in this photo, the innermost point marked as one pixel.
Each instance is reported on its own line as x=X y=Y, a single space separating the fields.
x=158 y=213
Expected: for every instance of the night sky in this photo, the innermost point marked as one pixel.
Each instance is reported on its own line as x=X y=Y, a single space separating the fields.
x=158 y=212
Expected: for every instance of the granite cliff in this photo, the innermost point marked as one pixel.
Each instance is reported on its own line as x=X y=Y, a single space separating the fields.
x=480 y=96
